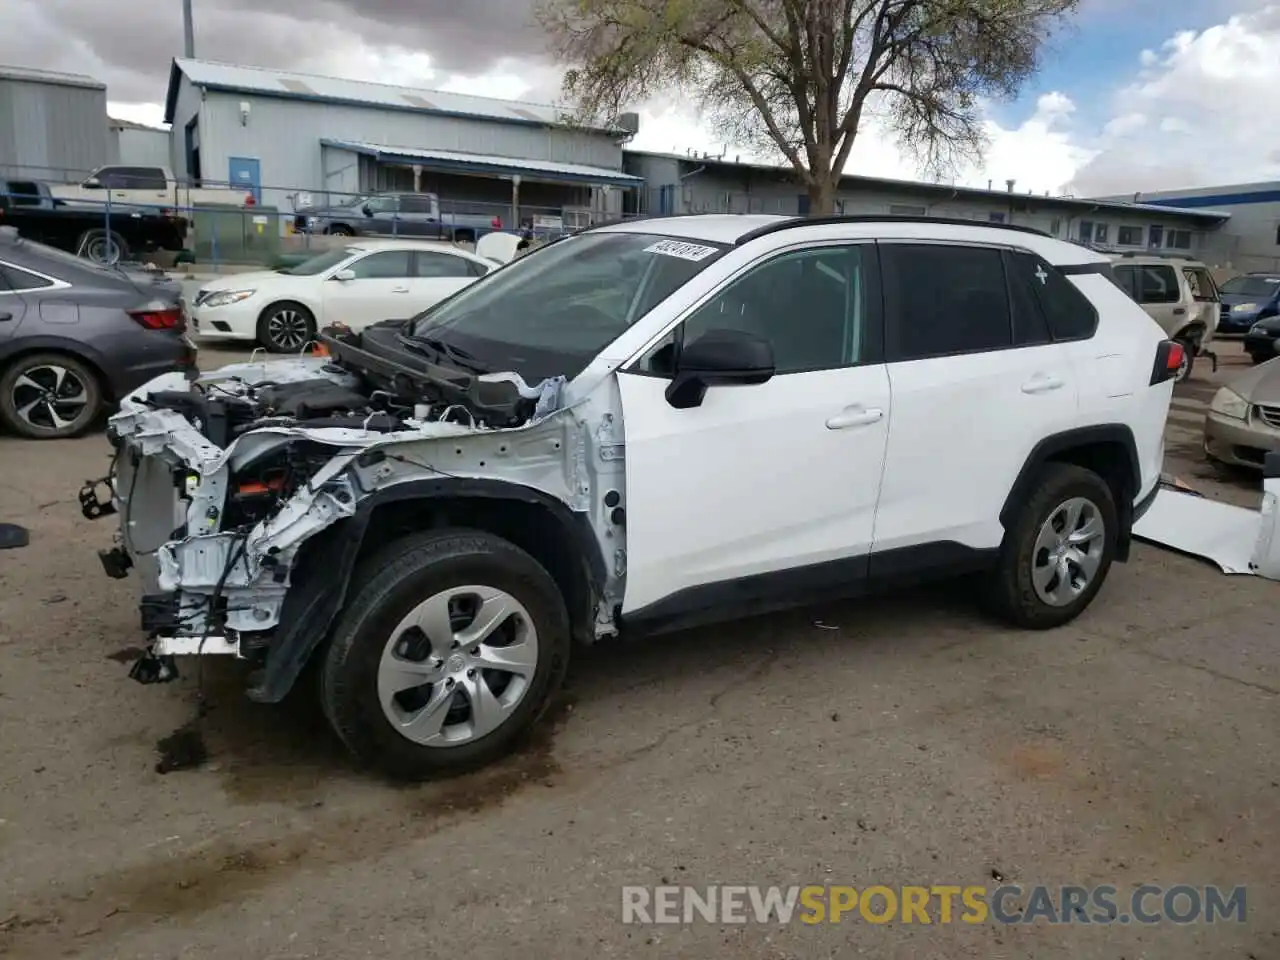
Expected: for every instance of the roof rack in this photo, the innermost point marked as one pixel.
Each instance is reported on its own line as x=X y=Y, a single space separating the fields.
x=881 y=218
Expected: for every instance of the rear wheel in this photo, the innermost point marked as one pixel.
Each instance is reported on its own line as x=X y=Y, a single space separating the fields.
x=286 y=327
x=341 y=230
x=1189 y=350
x=1058 y=551
x=103 y=246
x=446 y=656
x=49 y=396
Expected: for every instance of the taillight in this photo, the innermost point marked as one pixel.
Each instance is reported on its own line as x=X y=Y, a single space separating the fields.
x=1169 y=358
x=158 y=318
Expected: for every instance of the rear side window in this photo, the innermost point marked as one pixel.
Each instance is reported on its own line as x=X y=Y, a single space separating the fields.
x=944 y=300
x=12 y=280
x=1158 y=283
x=1067 y=312
x=132 y=178
x=1201 y=284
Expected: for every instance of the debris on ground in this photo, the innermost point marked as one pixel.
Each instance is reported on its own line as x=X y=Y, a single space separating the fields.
x=13 y=536
x=183 y=749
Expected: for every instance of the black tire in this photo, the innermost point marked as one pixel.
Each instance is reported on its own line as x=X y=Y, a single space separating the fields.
x=29 y=378
x=1011 y=593
x=102 y=246
x=286 y=327
x=464 y=236
x=1258 y=358
x=340 y=230
x=385 y=590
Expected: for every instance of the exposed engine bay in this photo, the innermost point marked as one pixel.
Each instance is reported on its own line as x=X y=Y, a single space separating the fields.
x=222 y=481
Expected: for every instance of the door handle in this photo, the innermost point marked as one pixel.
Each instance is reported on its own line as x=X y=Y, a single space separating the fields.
x=1042 y=383
x=4 y=315
x=399 y=289
x=1179 y=311
x=854 y=417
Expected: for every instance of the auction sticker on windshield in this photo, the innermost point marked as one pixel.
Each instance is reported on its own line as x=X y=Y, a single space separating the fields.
x=678 y=248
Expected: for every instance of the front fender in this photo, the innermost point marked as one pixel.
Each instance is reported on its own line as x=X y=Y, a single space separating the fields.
x=325 y=570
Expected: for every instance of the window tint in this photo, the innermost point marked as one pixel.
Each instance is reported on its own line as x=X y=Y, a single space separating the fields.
x=411 y=204
x=1157 y=283
x=387 y=265
x=132 y=178
x=1029 y=324
x=1127 y=278
x=22 y=193
x=1067 y=312
x=12 y=279
x=811 y=305
x=442 y=265
x=944 y=300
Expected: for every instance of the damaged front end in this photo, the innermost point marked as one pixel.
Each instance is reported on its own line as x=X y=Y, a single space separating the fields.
x=244 y=495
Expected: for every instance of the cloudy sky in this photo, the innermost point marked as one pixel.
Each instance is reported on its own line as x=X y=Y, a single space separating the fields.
x=1134 y=95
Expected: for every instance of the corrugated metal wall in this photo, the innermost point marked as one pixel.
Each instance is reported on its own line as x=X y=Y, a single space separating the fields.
x=143 y=148
x=284 y=135
x=52 y=131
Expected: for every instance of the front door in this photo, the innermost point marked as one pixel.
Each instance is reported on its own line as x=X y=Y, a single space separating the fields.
x=766 y=490
x=976 y=384
x=381 y=290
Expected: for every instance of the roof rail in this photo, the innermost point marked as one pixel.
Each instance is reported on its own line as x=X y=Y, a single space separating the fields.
x=1160 y=254
x=880 y=218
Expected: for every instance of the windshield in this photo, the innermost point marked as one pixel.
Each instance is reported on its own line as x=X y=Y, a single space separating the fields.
x=1251 y=286
x=552 y=311
x=320 y=262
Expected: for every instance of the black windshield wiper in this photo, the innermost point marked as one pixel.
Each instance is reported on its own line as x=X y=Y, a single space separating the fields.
x=461 y=357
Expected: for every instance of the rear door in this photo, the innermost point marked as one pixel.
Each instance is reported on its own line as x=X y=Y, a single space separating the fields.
x=976 y=382
x=439 y=274
x=381 y=290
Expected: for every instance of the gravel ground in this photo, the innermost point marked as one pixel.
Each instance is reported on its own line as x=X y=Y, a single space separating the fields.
x=899 y=741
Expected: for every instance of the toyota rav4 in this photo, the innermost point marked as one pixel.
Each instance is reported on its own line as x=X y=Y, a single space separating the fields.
x=646 y=425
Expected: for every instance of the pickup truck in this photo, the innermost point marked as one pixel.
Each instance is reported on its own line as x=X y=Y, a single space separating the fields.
x=394 y=214
x=146 y=186
x=82 y=228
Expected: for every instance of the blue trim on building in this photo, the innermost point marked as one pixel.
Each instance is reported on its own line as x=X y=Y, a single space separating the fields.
x=1219 y=200
x=461 y=166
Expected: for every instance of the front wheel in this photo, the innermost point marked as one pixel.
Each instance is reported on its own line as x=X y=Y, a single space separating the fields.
x=446 y=656
x=286 y=327
x=1057 y=552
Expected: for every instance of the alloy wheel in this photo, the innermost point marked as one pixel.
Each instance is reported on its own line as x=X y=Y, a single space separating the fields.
x=50 y=398
x=457 y=666
x=1068 y=551
x=288 y=329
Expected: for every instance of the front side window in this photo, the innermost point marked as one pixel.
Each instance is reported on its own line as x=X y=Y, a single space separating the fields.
x=387 y=265
x=380 y=205
x=550 y=312
x=944 y=299
x=811 y=305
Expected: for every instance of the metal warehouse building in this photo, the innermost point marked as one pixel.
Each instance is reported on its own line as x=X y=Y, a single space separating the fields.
x=676 y=184
x=53 y=126
x=294 y=138
x=1251 y=240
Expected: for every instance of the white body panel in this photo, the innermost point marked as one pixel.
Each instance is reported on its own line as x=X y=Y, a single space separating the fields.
x=751 y=481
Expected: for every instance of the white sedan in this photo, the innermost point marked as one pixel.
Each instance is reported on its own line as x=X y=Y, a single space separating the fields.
x=356 y=284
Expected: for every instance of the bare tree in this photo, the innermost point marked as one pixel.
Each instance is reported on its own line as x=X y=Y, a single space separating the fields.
x=799 y=77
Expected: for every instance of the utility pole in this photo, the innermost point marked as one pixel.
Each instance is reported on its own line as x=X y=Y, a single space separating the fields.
x=188 y=31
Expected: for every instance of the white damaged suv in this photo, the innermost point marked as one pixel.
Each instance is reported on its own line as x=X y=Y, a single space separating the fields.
x=645 y=425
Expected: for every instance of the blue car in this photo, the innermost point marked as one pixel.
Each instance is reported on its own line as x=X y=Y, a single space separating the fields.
x=1248 y=299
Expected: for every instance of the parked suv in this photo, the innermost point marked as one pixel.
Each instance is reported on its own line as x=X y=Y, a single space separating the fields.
x=645 y=426
x=1179 y=294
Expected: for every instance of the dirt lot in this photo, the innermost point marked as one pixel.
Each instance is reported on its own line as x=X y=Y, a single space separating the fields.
x=894 y=742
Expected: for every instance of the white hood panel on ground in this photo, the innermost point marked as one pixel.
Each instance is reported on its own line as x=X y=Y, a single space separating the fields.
x=1238 y=540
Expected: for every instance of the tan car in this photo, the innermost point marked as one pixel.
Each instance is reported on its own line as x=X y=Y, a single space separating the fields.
x=1243 y=423
x=1179 y=294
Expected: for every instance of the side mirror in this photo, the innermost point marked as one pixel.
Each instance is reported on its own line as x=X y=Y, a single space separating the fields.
x=93 y=183
x=367 y=210
x=719 y=358
x=342 y=276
